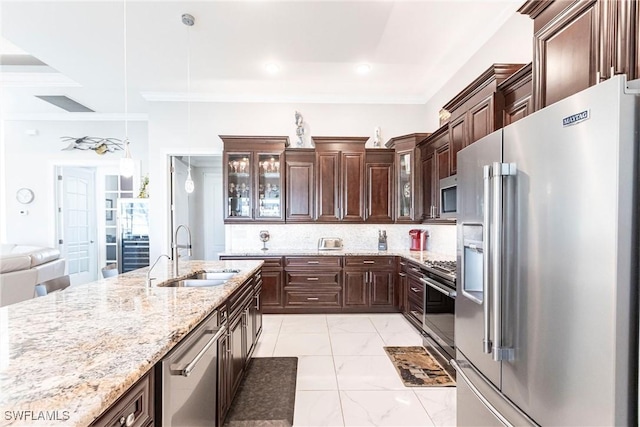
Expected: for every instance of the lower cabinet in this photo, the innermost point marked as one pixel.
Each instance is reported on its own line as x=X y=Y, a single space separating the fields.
x=369 y=282
x=244 y=313
x=313 y=284
x=133 y=409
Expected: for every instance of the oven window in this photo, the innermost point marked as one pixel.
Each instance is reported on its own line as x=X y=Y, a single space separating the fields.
x=439 y=318
x=448 y=202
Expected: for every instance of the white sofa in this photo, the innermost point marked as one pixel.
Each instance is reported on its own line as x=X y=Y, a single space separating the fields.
x=23 y=267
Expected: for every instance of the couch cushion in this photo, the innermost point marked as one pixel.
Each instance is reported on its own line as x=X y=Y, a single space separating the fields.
x=15 y=262
x=42 y=255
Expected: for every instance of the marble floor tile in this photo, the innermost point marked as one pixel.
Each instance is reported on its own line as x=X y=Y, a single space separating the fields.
x=265 y=346
x=400 y=339
x=440 y=404
x=366 y=373
x=316 y=373
x=271 y=323
x=383 y=408
x=304 y=324
x=349 y=324
x=302 y=344
x=391 y=324
x=317 y=408
x=357 y=344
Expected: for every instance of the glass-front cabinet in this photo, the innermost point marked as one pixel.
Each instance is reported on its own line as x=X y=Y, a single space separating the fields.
x=253 y=178
x=405 y=190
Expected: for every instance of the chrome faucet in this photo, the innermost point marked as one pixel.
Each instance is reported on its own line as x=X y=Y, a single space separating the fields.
x=149 y=278
x=177 y=247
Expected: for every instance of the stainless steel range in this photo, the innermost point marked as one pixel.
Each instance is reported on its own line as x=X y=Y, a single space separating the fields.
x=439 y=305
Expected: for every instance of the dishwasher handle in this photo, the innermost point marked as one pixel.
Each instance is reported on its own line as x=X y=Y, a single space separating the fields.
x=191 y=365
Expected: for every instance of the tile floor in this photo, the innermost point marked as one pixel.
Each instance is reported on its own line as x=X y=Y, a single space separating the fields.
x=345 y=378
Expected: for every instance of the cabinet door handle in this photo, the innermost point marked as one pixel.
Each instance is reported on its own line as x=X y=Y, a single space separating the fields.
x=415 y=290
x=131 y=418
x=313 y=262
x=417 y=270
x=368 y=262
x=312 y=279
x=312 y=298
x=402 y=275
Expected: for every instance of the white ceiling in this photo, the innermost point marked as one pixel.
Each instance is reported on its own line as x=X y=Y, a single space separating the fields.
x=413 y=46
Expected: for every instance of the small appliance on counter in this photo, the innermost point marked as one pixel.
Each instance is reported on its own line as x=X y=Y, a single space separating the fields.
x=330 y=243
x=382 y=240
x=418 y=239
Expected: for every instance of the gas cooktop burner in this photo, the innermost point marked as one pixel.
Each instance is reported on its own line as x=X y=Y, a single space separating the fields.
x=446 y=269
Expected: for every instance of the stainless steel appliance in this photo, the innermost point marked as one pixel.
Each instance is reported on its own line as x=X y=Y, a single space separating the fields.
x=448 y=197
x=188 y=378
x=439 y=280
x=547 y=307
x=330 y=243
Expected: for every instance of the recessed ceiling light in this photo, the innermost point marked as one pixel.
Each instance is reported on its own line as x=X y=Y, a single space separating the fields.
x=271 y=67
x=363 y=68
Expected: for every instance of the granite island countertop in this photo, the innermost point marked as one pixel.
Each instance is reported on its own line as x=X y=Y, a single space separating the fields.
x=68 y=356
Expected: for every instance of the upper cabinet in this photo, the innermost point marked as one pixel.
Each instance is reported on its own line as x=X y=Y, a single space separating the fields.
x=579 y=43
x=300 y=178
x=408 y=176
x=379 y=185
x=253 y=178
x=477 y=110
x=436 y=164
x=518 y=96
x=340 y=179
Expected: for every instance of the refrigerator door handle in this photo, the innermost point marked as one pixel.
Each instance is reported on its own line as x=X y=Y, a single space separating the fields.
x=498 y=171
x=486 y=228
x=478 y=394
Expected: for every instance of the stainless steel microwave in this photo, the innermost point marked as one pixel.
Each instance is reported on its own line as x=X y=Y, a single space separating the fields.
x=448 y=203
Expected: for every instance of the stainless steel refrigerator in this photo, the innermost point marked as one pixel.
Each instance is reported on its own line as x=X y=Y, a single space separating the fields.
x=547 y=310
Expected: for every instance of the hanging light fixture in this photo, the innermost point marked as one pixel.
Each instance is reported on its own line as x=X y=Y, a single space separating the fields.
x=188 y=20
x=127 y=165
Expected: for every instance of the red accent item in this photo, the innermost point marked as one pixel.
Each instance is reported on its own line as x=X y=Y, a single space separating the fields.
x=418 y=239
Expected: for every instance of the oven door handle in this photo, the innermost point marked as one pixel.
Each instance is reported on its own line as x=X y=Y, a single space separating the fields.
x=438 y=287
x=191 y=365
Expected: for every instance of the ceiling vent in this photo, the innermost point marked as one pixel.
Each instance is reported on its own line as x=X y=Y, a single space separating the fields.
x=65 y=103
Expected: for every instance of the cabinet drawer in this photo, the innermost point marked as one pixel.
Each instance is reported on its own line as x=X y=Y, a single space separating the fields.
x=307 y=278
x=369 y=261
x=306 y=261
x=415 y=311
x=135 y=407
x=415 y=291
x=414 y=270
x=317 y=298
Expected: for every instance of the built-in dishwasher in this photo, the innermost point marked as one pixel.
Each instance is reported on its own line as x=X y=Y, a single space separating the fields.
x=188 y=377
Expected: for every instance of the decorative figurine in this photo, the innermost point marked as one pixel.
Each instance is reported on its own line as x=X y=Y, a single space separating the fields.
x=376 y=139
x=299 y=129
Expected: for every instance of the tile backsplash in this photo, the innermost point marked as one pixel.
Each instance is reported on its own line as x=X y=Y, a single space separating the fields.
x=243 y=238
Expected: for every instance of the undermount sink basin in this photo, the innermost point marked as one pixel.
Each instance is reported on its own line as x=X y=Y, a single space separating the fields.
x=193 y=283
x=216 y=275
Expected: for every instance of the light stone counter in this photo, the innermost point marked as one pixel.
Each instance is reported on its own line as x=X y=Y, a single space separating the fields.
x=417 y=256
x=68 y=356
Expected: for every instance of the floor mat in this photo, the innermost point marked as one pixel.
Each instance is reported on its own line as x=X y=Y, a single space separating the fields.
x=266 y=396
x=417 y=368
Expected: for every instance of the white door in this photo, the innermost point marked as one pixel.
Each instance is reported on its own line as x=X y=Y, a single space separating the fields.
x=180 y=200
x=77 y=223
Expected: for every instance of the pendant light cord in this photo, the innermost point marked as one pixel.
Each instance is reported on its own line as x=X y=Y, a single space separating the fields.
x=189 y=94
x=126 y=87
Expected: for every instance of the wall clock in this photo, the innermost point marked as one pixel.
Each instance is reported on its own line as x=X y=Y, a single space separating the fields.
x=25 y=196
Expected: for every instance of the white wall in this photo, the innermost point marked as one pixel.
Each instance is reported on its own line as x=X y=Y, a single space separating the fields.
x=512 y=44
x=29 y=161
x=167 y=135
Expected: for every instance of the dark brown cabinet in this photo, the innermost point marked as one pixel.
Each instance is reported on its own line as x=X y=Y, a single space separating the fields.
x=369 y=282
x=271 y=294
x=518 y=95
x=379 y=186
x=313 y=284
x=300 y=179
x=340 y=179
x=134 y=408
x=253 y=179
x=579 y=43
x=477 y=110
x=436 y=165
x=408 y=177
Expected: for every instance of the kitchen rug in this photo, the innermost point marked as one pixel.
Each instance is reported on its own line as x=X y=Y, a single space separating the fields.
x=266 y=395
x=417 y=368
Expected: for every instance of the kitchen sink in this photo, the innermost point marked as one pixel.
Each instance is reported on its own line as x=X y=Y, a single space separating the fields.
x=194 y=283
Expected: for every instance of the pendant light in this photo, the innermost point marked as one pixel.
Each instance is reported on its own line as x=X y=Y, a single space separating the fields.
x=127 y=166
x=188 y=20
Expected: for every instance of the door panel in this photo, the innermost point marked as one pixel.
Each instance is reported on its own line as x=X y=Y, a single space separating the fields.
x=469 y=321
x=328 y=186
x=352 y=200
x=566 y=315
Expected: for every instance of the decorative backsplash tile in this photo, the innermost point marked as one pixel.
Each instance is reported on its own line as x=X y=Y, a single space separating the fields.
x=304 y=237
